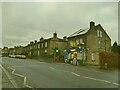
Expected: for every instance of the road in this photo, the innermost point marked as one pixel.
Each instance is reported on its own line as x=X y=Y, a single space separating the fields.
x=60 y=75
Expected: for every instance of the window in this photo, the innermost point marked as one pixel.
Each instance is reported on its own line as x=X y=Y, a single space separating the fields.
x=38 y=52
x=45 y=44
x=38 y=45
x=45 y=51
x=81 y=41
x=100 y=44
x=77 y=42
x=99 y=33
x=41 y=45
x=70 y=43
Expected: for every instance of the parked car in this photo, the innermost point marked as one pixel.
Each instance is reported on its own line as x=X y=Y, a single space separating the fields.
x=21 y=56
x=12 y=56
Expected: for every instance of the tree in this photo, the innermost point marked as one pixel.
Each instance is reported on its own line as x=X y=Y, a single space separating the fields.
x=115 y=47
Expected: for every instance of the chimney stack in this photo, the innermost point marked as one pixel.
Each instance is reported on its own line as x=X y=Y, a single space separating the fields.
x=92 y=24
x=41 y=38
x=55 y=35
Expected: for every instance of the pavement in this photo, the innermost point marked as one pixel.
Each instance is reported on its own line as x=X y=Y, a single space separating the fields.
x=60 y=75
x=8 y=80
x=5 y=81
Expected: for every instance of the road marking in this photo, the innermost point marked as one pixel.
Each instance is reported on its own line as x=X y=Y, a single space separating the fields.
x=27 y=66
x=89 y=78
x=25 y=79
x=51 y=67
x=100 y=80
x=29 y=86
x=103 y=80
x=85 y=76
x=116 y=84
x=75 y=74
x=9 y=77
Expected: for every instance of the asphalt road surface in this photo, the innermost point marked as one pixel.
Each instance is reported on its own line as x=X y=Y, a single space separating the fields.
x=59 y=75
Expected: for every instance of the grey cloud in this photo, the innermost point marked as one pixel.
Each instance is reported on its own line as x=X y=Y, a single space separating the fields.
x=33 y=20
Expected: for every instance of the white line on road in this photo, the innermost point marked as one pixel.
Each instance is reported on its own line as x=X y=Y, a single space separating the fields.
x=100 y=80
x=29 y=86
x=85 y=76
x=116 y=84
x=51 y=67
x=75 y=74
x=103 y=80
x=89 y=78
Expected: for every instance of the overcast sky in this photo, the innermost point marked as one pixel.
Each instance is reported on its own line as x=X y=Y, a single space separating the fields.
x=23 y=22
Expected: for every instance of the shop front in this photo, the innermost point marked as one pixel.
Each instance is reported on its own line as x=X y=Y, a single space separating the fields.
x=75 y=56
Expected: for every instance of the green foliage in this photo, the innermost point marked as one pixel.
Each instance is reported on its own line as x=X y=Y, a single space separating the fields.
x=116 y=48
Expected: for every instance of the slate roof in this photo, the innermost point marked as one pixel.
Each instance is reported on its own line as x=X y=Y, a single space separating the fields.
x=79 y=32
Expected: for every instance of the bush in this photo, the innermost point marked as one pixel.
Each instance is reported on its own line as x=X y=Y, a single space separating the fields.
x=110 y=58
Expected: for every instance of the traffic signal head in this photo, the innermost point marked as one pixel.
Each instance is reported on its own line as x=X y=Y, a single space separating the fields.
x=56 y=50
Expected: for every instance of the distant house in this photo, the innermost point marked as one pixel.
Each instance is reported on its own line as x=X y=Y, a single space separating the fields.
x=46 y=46
x=92 y=40
x=17 y=50
x=5 y=51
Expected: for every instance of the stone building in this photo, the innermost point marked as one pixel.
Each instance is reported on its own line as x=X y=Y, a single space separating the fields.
x=17 y=50
x=93 y=40
x=45 y=47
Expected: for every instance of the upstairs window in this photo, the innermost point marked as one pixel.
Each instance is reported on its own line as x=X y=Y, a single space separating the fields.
x=81 y=41
x=70 y=43
x=38 y=45
x=99 y=33
x=45 y=44
x=41 y=45
x=77 y=42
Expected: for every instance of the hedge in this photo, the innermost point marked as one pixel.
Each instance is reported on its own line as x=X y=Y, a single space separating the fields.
x=112 y=59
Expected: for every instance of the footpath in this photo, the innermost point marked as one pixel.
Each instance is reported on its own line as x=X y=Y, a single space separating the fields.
x=10 y=80
x=6 y=83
